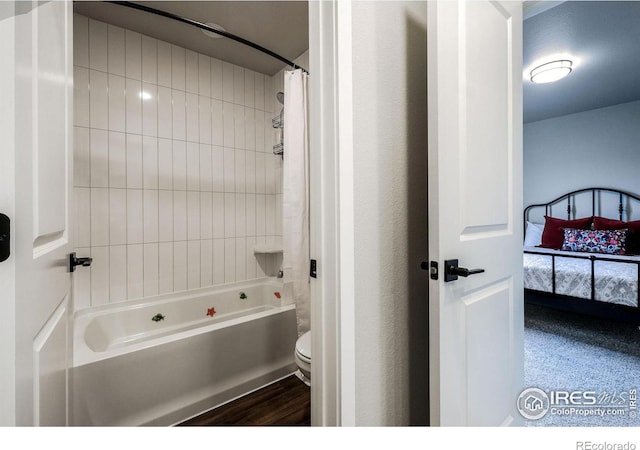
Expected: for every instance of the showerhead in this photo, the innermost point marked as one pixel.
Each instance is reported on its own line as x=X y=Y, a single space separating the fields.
x=280 y=97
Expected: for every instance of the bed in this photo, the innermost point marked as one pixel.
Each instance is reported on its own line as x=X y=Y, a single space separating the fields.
x=582 y=253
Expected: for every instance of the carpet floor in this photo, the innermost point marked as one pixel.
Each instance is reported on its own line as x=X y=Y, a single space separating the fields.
x=570 y=352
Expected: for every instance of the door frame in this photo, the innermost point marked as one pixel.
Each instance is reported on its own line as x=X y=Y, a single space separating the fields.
x=331 y=189
x=7 y=206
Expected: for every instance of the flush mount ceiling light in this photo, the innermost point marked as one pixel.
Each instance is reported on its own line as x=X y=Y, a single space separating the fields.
x=551 y=71
x=211 y=34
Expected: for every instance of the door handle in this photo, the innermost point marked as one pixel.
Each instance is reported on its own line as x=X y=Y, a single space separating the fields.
x=453 y=271
x=5 y=237
x=73 y=262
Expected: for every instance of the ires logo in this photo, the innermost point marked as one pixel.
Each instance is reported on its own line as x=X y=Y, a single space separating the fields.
x=534 y=403
x=573 y=398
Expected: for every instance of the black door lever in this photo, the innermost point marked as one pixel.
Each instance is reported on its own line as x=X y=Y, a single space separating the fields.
x=452 y=271
x=5 y=235
x=73 y=262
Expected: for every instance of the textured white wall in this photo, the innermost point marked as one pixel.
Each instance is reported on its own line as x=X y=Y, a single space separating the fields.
x=600 y=147
x=390 y=185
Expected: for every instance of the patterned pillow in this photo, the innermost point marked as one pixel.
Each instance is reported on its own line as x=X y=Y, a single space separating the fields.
x=612 y=242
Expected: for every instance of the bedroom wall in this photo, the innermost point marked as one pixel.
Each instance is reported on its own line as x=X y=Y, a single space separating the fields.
x=600 y=147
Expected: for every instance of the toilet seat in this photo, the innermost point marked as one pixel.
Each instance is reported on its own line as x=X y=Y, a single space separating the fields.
x=303 y=358
x=303 y=347
x=302 y=355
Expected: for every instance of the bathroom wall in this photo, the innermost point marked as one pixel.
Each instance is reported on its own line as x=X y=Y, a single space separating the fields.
x=175 y=181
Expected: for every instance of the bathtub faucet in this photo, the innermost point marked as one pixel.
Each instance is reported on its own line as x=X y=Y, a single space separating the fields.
x=280 y=273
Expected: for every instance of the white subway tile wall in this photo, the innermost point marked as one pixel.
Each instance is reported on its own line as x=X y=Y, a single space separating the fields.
x=175 y=181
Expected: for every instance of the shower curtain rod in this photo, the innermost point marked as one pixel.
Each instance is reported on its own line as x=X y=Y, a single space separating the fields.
x=203 y=26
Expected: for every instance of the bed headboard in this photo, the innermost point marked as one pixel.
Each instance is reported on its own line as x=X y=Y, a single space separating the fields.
x=594 y=201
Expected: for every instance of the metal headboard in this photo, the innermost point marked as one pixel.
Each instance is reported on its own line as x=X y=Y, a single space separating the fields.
x=622 y=195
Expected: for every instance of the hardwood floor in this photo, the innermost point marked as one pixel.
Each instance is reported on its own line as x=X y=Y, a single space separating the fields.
x=286 y=402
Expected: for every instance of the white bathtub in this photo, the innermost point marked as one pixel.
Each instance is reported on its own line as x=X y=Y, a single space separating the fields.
x=204 y=348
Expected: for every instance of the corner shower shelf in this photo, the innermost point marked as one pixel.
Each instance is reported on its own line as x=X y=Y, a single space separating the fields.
x=267 y=249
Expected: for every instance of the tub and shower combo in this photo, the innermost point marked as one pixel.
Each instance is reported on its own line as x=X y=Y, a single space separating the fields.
x=162 y=360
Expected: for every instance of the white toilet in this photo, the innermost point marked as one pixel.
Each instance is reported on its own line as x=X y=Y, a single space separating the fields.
x=303 y=357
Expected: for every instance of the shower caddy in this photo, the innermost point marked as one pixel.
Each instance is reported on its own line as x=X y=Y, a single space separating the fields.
x=278 y=122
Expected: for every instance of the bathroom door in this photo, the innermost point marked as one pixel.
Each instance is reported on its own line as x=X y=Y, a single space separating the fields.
x=475 y=211
x=37 y=162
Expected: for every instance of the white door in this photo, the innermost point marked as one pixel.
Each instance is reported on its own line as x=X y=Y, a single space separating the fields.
x=39 y=283
x=475 y=210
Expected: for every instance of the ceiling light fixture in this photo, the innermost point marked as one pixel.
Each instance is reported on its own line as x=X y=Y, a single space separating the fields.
x=211 y=34
x=551 y=71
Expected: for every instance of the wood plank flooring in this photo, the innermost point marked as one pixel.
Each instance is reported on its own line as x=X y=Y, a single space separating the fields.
x=286 y=402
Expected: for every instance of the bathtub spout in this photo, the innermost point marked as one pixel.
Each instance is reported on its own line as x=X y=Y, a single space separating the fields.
x=280 y=274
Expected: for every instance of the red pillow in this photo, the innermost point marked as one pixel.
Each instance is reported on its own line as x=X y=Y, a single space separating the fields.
x=553 y=235
x=602 y=223
x=633 y=241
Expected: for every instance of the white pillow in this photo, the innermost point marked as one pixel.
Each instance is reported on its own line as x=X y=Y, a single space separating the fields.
x=533 y=234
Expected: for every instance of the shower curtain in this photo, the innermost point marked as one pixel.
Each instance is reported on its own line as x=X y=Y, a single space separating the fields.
x=295 y=193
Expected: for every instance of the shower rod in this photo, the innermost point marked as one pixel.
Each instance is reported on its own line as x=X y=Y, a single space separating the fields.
x=206 y=27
